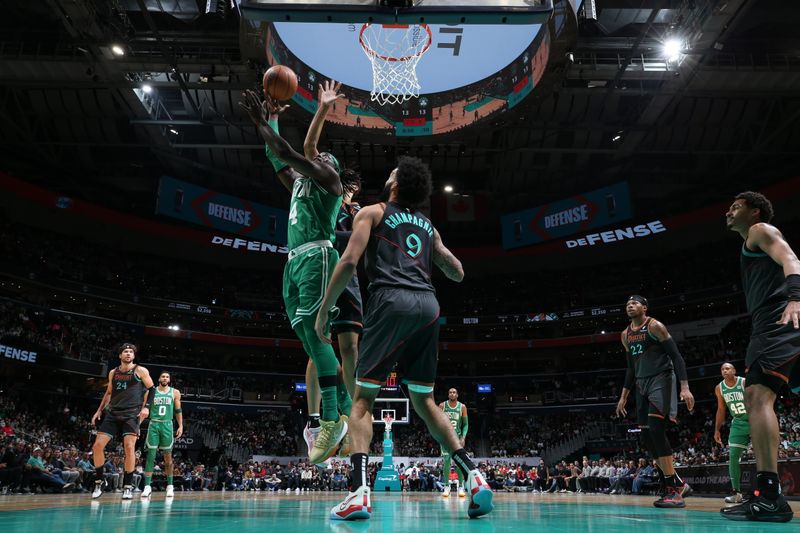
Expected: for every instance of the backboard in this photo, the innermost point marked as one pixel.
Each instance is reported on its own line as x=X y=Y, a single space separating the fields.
x=400 y=407
x=401 y=11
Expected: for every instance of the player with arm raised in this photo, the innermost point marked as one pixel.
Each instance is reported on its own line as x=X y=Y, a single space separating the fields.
x=316 y=187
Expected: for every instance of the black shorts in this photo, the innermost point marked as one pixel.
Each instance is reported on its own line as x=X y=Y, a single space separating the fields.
x=117 y=426
x=350 y=317
x=401 y=327
x=656 y=396
x=776 y=354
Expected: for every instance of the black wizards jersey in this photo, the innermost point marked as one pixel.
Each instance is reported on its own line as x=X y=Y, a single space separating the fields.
x=648 y=356
x=399 y=253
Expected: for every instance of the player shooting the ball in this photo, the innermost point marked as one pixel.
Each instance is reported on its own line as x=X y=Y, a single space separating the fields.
x=317 y=186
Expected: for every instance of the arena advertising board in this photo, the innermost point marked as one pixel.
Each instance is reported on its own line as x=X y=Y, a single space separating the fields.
x=594 y=209
x=212 y=209
x=18 y=350
x=715 y=479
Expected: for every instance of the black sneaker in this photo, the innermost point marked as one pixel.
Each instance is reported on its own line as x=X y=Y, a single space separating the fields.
x=671 y=500
x=760 y=509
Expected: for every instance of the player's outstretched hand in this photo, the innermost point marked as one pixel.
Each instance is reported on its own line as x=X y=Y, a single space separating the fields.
x=718 y=438
x=329 y=92
x=621 y=412
x=321 y=325
x=179 y=432
x=255 y=109
x=686 y=396
x=273 y=107
x=791 y=314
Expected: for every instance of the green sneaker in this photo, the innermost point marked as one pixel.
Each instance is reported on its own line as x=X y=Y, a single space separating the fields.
x=330 y=435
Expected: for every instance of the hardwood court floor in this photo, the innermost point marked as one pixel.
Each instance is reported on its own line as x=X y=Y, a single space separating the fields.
x=404 y=513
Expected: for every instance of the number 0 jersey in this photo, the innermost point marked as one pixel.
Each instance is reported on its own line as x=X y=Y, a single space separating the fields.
x=163 y=405
x=734 y=398
x=399 y=252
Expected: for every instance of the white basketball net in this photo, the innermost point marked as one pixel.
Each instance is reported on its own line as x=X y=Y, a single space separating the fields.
x=387 y=423
x=394 y=51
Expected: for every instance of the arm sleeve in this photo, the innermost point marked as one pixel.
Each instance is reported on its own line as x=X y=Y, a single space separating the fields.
x=677 y=359
x=629 y=373
x=277 y=164
x=151 y=396
x=464 y=423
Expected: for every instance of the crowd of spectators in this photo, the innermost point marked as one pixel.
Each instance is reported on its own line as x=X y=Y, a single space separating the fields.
x=70 y=335
x=269 y=433
x=49 y=257
x=54 y=259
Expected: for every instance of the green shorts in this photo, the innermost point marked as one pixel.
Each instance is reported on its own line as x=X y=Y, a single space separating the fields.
x=740 y=434
x=160 y=435
x=305 y=279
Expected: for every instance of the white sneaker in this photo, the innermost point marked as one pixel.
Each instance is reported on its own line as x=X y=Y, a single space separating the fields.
x=736 y=497
x=310 y=436
x=147 y=491
x=127 y=493
x=446 y=492
x=98 y=489
x=288 y=490
x=480 y=495
x=170 y=491
x=297 y=490
x=357 y=505
x=461 y=493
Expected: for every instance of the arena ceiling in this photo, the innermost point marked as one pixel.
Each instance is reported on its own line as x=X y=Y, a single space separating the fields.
x=726 y=116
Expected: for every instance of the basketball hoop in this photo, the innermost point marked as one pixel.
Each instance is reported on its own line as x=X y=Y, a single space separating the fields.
x=387 y=422
x=394 y=51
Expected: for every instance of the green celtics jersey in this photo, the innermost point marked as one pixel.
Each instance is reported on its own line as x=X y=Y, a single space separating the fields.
x=734 y=398
x=163 y=406
x=312 y=213
x=453 y=413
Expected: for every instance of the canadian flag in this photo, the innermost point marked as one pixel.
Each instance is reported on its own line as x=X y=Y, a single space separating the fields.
x=460 y=208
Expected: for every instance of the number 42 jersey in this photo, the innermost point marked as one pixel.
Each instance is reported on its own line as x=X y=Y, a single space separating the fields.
x=399 y=253
x=734 y=399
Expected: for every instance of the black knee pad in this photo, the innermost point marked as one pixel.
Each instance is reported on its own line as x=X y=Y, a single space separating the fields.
x=647 y=440
x=658 y=431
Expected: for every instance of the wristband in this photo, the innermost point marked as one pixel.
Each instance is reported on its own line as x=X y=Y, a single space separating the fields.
x=793 y=287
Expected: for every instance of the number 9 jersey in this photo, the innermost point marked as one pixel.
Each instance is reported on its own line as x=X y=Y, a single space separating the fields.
x=399 y=253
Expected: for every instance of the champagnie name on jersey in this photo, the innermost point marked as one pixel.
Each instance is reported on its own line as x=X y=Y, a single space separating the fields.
x=395 y=219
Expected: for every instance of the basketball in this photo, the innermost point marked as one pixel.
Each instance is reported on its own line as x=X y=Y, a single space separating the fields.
x=280 y=82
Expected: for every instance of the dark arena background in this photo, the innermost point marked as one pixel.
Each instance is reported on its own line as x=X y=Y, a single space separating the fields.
x=581 y=153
